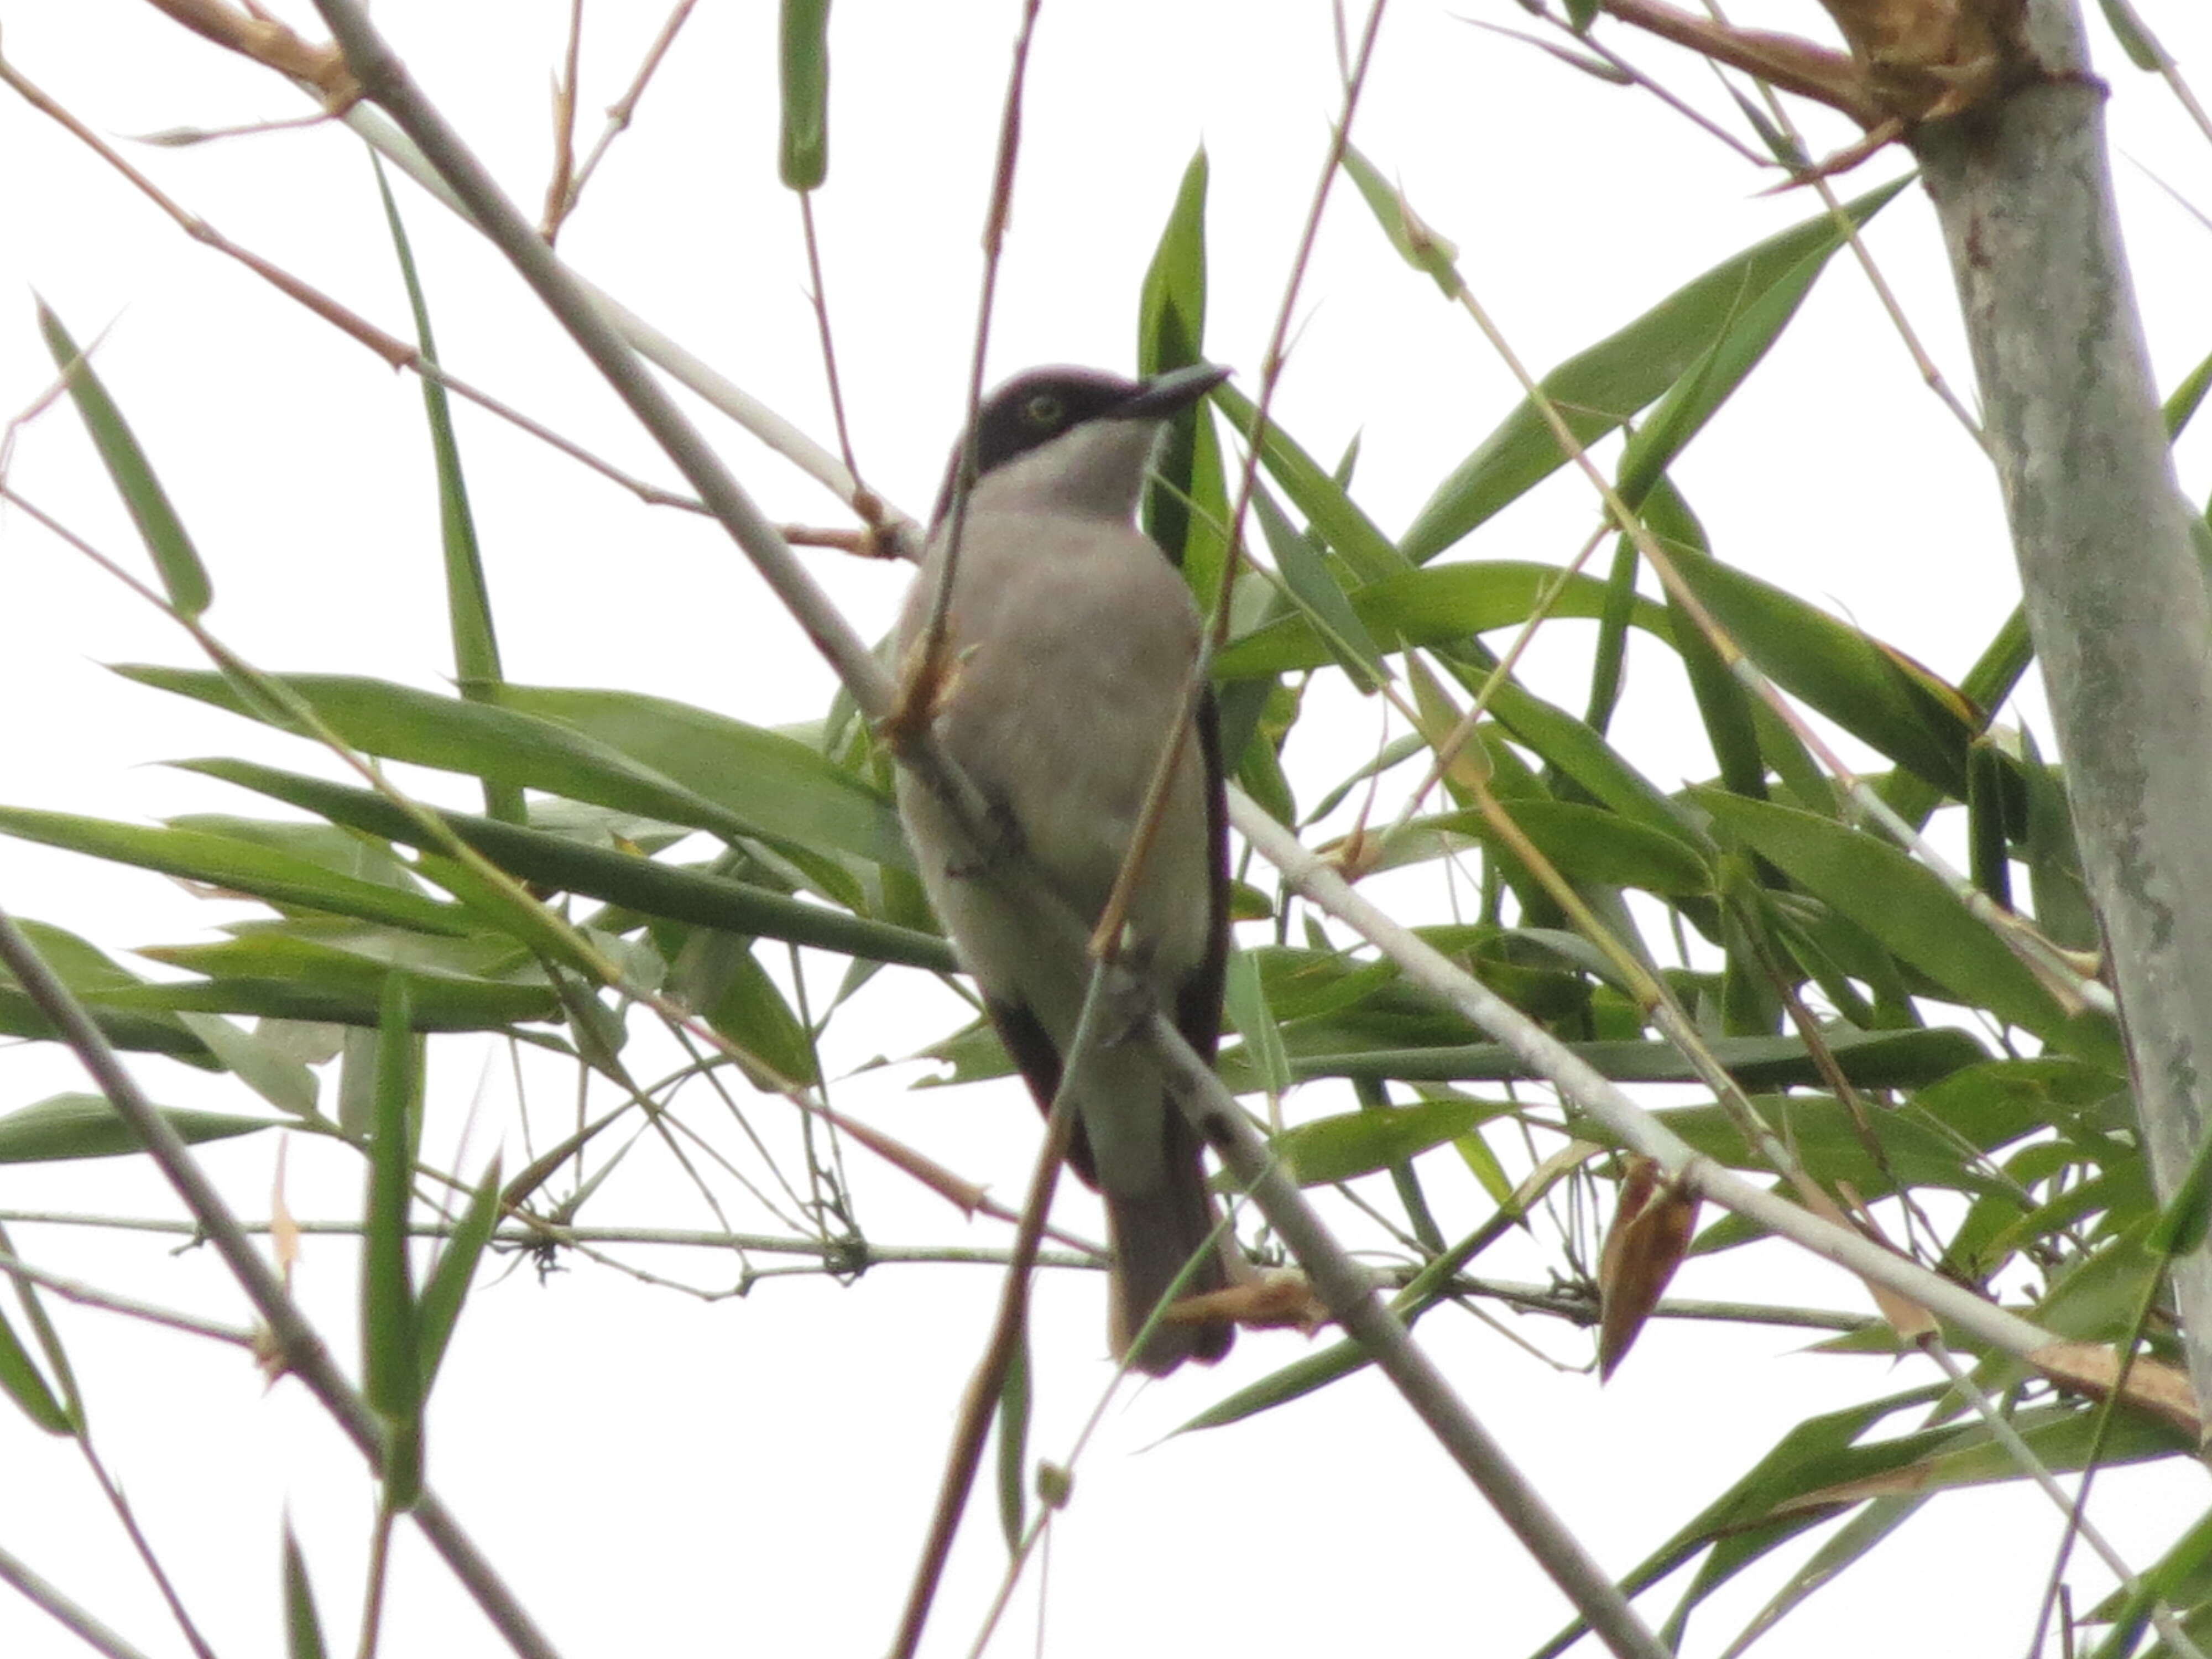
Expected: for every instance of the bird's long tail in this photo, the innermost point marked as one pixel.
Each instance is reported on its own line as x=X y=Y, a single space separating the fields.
x=1153 y=1233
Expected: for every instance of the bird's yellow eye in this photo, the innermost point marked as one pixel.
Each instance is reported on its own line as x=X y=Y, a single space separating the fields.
x=1042 y=411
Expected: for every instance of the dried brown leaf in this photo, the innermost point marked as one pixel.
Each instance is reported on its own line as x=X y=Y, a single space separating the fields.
x=1651 y=1228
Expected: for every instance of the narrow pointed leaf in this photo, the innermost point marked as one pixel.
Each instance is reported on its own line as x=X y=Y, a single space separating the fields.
x=1315 y=493
x=643 y=884
x=303 y=1625
x=392 y=1375
x=802 y=155
x=183 y=576
x=1315 y=589
x=1186 y=507
x=23 y=1381
x=277 y=1077
x=1245 y=1001
x=397 y=722
x=447 y=1287
x=67 y=1125
x=776 y=783
x=239 y=866
x=1900 y=902
x=1442 y=605
x=468 y=597
x=1599 y=388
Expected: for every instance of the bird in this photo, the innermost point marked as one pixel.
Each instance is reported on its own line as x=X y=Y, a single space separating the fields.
x=1069 y=639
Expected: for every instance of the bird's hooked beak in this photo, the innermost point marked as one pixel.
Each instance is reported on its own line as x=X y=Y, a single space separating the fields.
x=1165 y=396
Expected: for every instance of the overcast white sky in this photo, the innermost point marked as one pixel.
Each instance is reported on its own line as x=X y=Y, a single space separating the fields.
x=657 y=1474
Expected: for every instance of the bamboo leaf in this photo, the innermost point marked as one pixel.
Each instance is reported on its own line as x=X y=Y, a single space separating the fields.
x=803 y=136
x=504 y=745
x=24 y=1383
x=1871 y=691
x=1245 y=1001
x=75 y=1125
x=237 y=864
x=392 y=1377
x=1331 y=513
x=183 y=576
x=1186 y=507
x=1599 y=388
x=789 y=790
x=279 y=1079
x=1440 y=605
x=1900 y=902
x=1314 y=588
x=1347 y=1145
x=643 y=884
x=468 y=597
x=448 y=1286
x=303 y=1625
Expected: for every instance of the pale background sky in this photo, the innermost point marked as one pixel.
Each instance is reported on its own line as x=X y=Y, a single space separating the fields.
x=656 y=1473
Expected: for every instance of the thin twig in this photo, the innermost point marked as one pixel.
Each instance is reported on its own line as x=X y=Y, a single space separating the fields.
x=1349 y=1291
x=988 y=1384
x=2003 y=1432
x=1545 y=1056
x=139 y=1542
x=819 y=297
x=71 y=1290
x=623 y=109
x=1198 y=684
x=558 y=190
x=302 y=1351
x=393 y=350
x=1849 y=229
x=72 y=1618
x=930 y=656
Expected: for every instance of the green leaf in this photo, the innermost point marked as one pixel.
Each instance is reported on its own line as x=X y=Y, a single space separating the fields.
x=1245 y=1001
x=447 y=1287
x=803 y=138
x=24 y=1383
x=1872 y=692
x=335 y=972
x=279 y=1079
x=1442 y=605
x=1185 y=508
x=789 y=790
x=468 y=597
x=1314 y=589
x=237 y=864
x=67 y=1125
x=183 y=576
x=1744 y=339
x=2181 y=406
x=2134 y=37
x=1417 y=244
x=1871 y=1060
x=1328 y=509
x=718 y=974
x=392 y=1377
x=1014 y=1407
x=1599 y=388
x=1349 y=1144
x=1805 y=1457
x=1901 y=903
x=1590 y=844
x=92 y=975
x=397 y=723
x=303 y=1625
x=643 y=884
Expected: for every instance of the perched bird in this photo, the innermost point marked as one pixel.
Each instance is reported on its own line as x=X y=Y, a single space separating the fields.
x=1069 y=638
